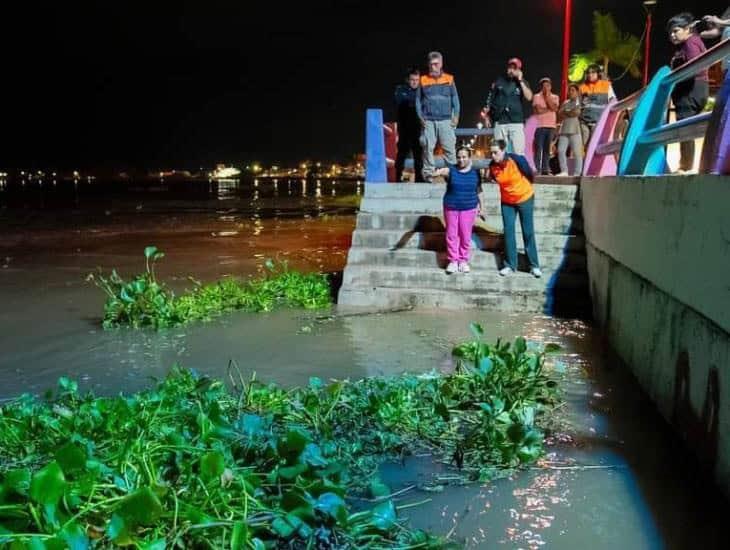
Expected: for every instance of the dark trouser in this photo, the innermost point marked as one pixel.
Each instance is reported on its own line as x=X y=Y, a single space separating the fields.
x=689 y=99
x=409 y=142
x=509 y=213
x=541 y=146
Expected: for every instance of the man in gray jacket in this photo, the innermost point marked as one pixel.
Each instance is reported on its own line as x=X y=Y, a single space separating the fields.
x=437 y=106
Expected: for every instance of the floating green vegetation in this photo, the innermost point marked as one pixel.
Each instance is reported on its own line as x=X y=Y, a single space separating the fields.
x=191 y=464
x=145 y=302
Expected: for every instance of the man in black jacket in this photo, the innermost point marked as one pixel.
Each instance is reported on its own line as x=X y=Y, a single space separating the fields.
x=409 y=126
x=504 y=106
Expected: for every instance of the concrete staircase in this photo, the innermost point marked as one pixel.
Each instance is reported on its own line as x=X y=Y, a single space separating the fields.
x=398 y=253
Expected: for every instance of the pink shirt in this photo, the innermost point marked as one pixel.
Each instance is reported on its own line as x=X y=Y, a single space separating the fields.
x=548 y=119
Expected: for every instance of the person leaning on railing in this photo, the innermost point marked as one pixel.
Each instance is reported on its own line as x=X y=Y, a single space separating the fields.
x=595 y=92
x=689 y=96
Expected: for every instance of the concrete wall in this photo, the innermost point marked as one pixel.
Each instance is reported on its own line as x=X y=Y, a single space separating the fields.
x=658 y=252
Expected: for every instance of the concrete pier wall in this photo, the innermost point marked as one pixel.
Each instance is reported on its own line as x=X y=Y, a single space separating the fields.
x=658 y=256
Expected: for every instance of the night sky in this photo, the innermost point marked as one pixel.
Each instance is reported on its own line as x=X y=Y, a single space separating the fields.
x=151 y=84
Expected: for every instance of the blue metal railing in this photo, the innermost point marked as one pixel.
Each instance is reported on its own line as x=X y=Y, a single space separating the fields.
x=642 y=150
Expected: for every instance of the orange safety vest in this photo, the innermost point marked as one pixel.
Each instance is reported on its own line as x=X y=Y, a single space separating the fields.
x=514 y=187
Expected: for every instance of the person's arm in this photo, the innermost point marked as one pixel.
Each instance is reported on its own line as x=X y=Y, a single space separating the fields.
x=553 y=102
x=480 y=190
x=419 y=112
x=441 y=171
x=611 y=93
x=537 y=107
x=455 y=106
x=526 y=91
x=716 y=22
x=712 y=33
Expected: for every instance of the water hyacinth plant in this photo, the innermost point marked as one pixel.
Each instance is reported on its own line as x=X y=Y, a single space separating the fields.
x=145 y=302
x=191 y=464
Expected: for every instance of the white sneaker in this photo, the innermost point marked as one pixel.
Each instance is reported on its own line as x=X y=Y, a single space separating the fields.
x=464 y=267
x=562 y=174
x=535 y=272
x=453 y=267
x=506 y=270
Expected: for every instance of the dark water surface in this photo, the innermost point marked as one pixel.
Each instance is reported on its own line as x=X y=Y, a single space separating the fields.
x=616 y=477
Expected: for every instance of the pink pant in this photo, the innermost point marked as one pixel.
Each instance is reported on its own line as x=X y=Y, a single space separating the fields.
x=459 y=224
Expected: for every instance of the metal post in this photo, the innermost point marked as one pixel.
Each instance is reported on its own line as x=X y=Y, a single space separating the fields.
x=566 y=49
x=375 y=169
x=647 y=46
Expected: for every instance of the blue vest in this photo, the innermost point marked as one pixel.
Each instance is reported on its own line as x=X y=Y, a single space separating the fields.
x=462 y=189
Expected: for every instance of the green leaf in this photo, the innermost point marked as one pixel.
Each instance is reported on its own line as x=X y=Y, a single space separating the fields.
x=282 y=528
x=158 y=544
x=118 y=531
x=291 y=472
x=332 y=505
x=16 y=481
x=48 y=484
x=315 y=383
x=384 y=516
x=552 y=348
x=378 y=489
x=73 y=535
x=476 y=329
x=212 y=465
x=71 y=457
x=292 y=444
x=150 y=251
x=251 y=425
x=258 y=544
x=240 y=536
x=520 y=345
x=141 y=507
x=485 y=366
x=312 y=455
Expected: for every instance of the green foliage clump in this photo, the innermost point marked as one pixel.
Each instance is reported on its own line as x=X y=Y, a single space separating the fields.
x=191 y=465
x=145 y=302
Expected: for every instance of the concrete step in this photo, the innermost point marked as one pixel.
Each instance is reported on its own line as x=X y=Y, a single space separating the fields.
x=478 y=281
x=572 y=305
x=481 y=239
x=544 y=223
x=435 y=190
x=554 y=207
x=481 y=260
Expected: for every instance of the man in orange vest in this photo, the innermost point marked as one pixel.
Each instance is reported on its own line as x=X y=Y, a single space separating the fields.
x=596 y=92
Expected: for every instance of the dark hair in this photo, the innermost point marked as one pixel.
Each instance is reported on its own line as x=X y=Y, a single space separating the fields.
x=577 y=88
x=502 y=144
x=594 y=67
x=684 y=19
x=464 y=148
x=412 y=71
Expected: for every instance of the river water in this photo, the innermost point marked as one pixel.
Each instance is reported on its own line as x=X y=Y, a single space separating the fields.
x=615 y=477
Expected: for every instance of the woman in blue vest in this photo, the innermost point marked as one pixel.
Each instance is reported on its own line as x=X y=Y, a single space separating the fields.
x=462 y=202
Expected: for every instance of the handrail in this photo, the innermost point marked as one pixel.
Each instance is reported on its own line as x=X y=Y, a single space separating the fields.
x=641 y=151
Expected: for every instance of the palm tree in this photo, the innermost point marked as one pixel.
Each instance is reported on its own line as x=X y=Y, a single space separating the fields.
x=611 y=45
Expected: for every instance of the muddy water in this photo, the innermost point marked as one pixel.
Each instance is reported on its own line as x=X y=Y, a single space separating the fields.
x=615 y=478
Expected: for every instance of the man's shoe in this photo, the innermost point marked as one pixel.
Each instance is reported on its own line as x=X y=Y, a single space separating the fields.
x=506 y=271
x=562 y=174
x=535 y=272
x=464 y=267
x=453 y=267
